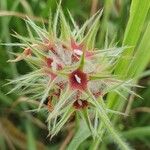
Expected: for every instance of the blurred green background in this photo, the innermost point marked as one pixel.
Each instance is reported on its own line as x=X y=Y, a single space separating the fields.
x=22 y=130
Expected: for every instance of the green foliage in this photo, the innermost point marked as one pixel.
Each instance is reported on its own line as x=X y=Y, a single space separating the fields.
x=134 y=61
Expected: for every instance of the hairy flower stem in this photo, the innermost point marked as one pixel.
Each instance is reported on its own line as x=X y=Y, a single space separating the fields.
x=97 y=141
x=117 y=139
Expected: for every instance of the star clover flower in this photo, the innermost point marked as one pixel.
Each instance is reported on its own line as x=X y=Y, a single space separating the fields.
x=68 y=73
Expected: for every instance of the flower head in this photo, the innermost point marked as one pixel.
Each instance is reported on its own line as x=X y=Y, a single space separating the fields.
x=69 y=70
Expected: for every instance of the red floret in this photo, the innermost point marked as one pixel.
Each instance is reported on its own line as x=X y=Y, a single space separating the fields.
x=80 y=104
x=78 y=80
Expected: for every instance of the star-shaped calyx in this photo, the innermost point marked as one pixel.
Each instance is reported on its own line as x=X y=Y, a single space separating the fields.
x=78 y=80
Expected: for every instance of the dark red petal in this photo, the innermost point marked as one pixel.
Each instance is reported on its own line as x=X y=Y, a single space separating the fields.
x=74 y=45
x=80 y=104
x=78 y=80
x=48 y=61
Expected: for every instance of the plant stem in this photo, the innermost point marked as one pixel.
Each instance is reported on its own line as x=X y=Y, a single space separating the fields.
x=106 y=122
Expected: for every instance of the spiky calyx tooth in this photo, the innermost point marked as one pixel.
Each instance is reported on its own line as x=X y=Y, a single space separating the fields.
x=27 y=52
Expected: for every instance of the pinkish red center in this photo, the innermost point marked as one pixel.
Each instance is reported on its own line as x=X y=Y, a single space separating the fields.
x=78 y=80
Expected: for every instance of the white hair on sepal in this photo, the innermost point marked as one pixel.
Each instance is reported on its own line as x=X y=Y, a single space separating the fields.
x=67 y=55
x=89 y=67
x=64 y=55
x=97 y=86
